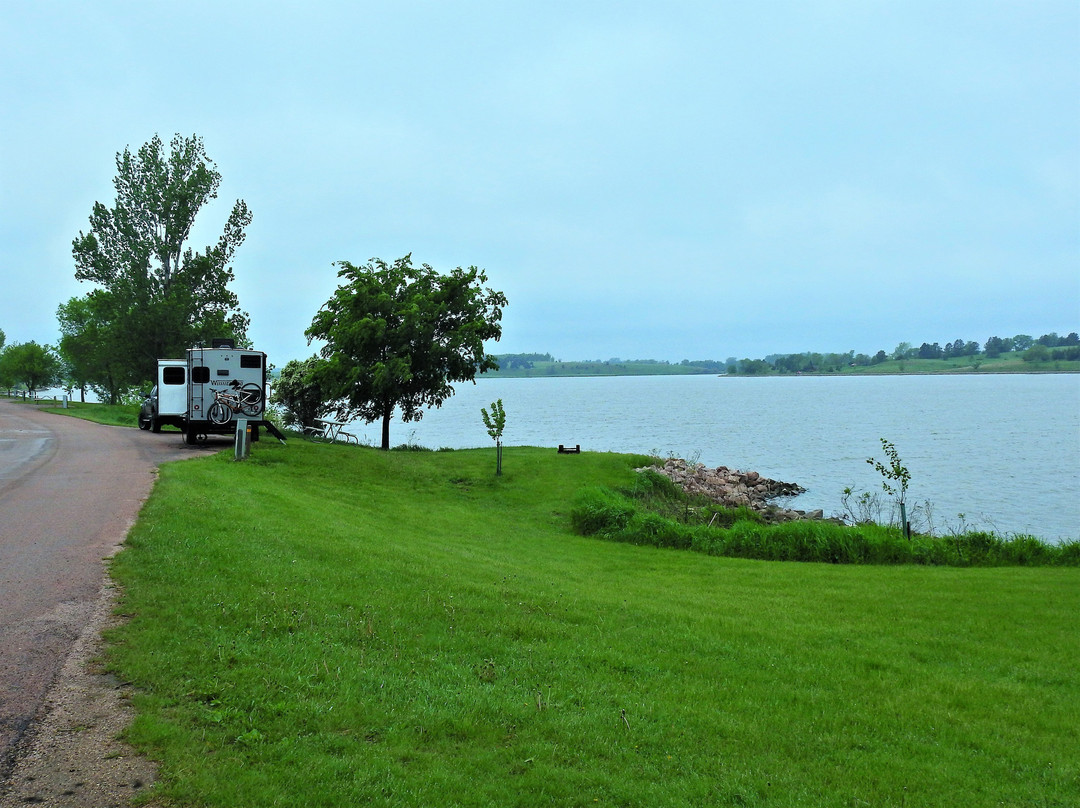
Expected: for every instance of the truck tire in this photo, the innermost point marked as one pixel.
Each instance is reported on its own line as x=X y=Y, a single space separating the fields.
x=191 y=435
x=155 y=425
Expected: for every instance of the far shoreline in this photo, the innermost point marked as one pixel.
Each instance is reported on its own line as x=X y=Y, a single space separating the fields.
x=515 y=375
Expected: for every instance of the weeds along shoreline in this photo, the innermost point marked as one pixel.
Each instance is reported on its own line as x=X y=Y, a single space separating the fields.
x=654 y=510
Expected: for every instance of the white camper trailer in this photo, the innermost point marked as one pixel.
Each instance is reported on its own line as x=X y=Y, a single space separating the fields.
x=224 y=383
x=208 y=391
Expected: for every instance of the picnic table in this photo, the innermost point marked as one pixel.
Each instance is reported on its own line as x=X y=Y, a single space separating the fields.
x=329 y=432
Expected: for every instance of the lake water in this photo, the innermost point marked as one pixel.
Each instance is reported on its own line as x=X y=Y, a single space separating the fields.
x=1004 y=450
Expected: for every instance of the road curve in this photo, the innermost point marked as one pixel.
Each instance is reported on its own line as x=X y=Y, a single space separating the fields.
x=69 y=491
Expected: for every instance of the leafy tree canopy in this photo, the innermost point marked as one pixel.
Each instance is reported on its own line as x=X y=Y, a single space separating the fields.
x=297 y=390
x=996 y=346
x=29 y=364
x=1021 y=342
x=156 y=295
x=93 y=352
x=397 y=336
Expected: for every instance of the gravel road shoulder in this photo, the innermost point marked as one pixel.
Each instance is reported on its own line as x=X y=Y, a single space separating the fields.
x=73 y=757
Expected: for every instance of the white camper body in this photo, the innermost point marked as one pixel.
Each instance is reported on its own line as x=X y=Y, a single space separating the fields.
x=216 y=371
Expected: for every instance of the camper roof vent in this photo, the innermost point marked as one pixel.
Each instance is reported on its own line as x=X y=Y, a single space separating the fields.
x=223 y=343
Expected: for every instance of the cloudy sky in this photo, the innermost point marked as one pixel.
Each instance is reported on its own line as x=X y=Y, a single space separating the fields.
x=643 y=179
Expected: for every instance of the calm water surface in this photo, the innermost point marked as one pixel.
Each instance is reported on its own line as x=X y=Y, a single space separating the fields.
x=1004 y=450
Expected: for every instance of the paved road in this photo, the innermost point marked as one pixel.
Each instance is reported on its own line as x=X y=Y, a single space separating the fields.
x=69 y=491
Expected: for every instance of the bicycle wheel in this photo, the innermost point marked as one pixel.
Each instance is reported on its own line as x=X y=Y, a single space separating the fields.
x=251 y=393
x=251 y=408
x=219 y=414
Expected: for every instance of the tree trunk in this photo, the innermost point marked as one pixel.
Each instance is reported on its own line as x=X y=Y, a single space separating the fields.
x=386 y=429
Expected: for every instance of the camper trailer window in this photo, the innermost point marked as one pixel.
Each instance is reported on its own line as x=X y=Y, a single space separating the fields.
x=200 y=374
x=222 y=371
x=250 y=361
x=172 y=375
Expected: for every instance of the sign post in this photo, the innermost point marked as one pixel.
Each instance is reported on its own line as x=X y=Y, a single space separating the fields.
x=243 y=438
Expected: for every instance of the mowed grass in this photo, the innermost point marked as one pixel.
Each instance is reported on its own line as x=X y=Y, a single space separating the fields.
x=329 y=626
x=111 y=414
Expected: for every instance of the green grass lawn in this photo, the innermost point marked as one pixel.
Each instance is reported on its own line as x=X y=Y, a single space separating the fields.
x=332 y=626
x=111 y=414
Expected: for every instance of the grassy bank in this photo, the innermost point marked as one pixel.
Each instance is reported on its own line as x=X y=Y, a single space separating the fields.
x=323 y=625
x=113 y=415
x=109 y=414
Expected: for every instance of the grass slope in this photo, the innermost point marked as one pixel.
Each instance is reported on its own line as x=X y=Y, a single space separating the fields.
x=111 y=414
x=327 y=626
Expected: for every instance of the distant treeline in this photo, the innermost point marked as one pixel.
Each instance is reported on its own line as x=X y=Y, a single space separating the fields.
x=1048 y=347
x=544 y=364
x=522 y=361
x=968 y=353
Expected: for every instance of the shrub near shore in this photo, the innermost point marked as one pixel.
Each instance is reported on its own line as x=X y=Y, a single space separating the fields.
x=653 y=511
x=323 y=625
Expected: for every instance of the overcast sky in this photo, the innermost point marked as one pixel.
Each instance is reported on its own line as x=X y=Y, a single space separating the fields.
x=660 y=180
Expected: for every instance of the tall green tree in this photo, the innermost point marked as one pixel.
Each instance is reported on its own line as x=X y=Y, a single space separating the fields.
x=398 y=336
x=995 y=347
x=1021 y=342
x=160 y=295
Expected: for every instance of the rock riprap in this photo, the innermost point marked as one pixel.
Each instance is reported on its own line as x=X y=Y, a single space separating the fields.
x=733 y=488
